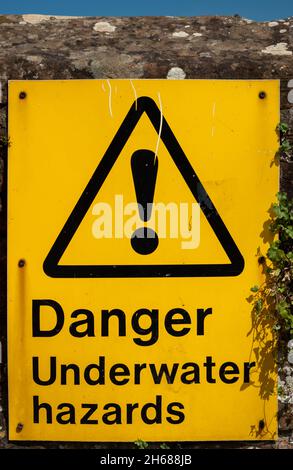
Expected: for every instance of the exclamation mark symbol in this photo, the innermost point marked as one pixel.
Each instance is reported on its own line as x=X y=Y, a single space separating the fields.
x=144 y=166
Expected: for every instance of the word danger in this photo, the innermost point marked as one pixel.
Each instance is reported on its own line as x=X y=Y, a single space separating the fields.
x=177 y=322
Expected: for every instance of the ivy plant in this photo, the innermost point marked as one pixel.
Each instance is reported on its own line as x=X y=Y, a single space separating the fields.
x=274 y=298
x=276 y=294
x=141 y=444
x=285 y=150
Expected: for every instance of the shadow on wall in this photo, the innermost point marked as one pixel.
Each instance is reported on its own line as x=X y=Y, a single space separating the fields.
x=264 y=345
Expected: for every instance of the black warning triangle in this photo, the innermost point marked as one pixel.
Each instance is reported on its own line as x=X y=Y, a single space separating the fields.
x=51 y=264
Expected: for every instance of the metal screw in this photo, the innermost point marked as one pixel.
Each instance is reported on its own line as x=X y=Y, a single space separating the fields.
x=262 y=95
x=19 y=427
x=22 y=95
x=21 y=263
x=261 y=424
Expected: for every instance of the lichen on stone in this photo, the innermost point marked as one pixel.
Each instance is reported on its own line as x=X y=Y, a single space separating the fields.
x=176 y=73
x=277 y=49
x=104 y=27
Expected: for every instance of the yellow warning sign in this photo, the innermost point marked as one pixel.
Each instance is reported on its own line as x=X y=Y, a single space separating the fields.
x=136 y=209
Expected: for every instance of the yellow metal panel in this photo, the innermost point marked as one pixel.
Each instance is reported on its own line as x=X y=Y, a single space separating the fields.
x=221 y=135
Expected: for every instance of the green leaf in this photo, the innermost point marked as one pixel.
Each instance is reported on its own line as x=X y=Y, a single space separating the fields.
x=285 y=146
x=258 y=305
x=283 y=309
x=141 y=444
x=275 y=254
x=164 y=446
x=282 y=289
x=283 y=127
x=254 y=289
x=289 y=231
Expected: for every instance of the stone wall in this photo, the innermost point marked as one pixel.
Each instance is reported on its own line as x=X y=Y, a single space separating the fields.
x=37 y=47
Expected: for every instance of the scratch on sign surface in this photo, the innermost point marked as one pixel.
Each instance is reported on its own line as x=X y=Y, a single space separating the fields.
x=135 y=94
x=110 y=98
x=161 y=125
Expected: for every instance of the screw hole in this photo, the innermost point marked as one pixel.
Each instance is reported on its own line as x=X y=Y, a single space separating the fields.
x=21 y=263
x=19 y=427
x=262 y=95
x=261 y=425
x=22 y=95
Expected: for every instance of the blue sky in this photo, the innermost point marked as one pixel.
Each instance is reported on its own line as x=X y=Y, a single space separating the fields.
x=255 y=9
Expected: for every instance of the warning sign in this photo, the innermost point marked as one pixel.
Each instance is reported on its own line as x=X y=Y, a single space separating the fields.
x=136 y=209
x=144 y=165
